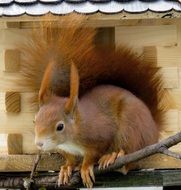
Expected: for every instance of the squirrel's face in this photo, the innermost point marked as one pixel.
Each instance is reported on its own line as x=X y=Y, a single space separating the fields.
x=52 y=126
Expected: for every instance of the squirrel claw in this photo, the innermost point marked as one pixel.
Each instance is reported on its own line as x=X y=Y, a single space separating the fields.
x=64 y=175
x=88 y=177
x=107 y=159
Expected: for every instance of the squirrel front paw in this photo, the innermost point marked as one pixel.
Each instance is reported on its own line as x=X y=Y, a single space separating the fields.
x=108 y=159
x=64 y=175
x=87 y=175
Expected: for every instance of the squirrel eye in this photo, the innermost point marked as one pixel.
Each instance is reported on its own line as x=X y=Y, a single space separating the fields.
x=60 y=127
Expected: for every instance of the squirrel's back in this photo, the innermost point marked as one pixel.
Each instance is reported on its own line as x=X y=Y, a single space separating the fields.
x=116 y=111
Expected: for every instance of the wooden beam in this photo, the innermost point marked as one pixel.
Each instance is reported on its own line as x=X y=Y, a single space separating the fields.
x=15 y=144
x=140 y=36
x=18 y=163
x=107 y=20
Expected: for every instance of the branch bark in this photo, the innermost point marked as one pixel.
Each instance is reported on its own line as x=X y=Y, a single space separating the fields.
x=50 y=181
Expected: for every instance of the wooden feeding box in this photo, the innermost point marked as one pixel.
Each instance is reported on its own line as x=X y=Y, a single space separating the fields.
x=155 y=33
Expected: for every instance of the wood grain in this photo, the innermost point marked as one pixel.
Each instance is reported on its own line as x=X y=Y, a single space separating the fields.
x=25 y=162
x=170 y=77
x=15 y=144
x=176 y=95
x=163 y=56
x=105 y=20
x=13 y=102
x=16 y=123
x=12 y=60
x=140 y=36
x=150 y=55
x=26 y=104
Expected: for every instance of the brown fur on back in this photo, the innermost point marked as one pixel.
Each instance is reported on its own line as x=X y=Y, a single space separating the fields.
x=115 y=119
x=69 y=40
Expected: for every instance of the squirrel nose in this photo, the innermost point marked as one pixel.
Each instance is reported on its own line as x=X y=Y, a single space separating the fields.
x=39 y=144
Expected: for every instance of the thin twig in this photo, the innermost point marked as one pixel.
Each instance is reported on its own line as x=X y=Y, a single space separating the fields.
x=35 y=166
x=170 y=153
x=29 y=181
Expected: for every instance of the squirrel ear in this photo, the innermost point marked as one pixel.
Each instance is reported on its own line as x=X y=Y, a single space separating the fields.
x=71 y=103
x=44 y=92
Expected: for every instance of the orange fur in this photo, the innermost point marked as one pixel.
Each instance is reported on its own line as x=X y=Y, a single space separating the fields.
x=74 y=81
x=118 y=93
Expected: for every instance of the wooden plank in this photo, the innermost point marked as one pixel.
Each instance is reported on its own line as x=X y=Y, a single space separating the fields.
x=13 y=102
x=2 y=102
x=170 y=77
x=15 y=144
x=2 y=65
x=176 y=95
x=179 y=74
x=29 y=146
x=12 y=60
x=10 y=38
x=179 y=33
x=24 y=162
x=171 y=121
x=179 y=120
x=99 y=19
x=3 y=143
x=139 y=36
x=163 y=56
x=16 y=123
x=169 y=56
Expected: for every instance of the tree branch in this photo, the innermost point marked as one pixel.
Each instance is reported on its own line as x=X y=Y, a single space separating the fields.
x=170 y=153
x=160 y=147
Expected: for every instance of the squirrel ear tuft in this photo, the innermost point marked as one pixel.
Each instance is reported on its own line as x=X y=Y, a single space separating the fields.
x=71 y=103
x=44 y=92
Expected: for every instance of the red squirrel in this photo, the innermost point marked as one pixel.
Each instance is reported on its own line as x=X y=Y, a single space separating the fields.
x=95 y=102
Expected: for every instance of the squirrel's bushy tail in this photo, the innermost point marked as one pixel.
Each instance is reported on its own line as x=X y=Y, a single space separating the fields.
x=66 y=40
